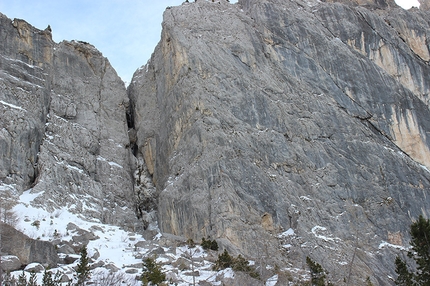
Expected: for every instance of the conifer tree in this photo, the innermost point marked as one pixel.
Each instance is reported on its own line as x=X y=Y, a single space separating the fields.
x=32 y=281
x=405 y=277
x=22 y=279
x=47 y=279
x=318 y=274
x=152 y=272
x=83 y=269
x=420 y=243
x=224 y=261
x=420 y=233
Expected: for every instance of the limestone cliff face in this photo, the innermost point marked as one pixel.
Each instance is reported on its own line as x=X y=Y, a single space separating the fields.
x=25 y=61
x=249 y=120
x=268 y=115
x=63 y=126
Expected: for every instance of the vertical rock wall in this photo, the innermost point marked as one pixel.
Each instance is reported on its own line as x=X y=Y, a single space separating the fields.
x=25 y=65
x=269 y=115
x=64 y=131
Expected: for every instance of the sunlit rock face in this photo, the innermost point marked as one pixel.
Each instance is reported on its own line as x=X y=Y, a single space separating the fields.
x=262 y=116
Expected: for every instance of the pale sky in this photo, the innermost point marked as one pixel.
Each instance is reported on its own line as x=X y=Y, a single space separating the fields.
x=125 y=31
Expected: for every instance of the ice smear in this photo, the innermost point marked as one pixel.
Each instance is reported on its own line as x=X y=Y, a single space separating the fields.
x=12 y=106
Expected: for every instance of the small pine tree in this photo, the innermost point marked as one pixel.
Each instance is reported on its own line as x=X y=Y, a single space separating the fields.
x=317 y=272
x=22 y=279
x=83 y=269
x=209 y=244
x=405 y=277
x=8 y=279
x=152 y=272
x=47 y=279
x=224 y=261
x=191 y=243
x=32 y=281
x=420 y=242
x=214 y=245
x=420 y=232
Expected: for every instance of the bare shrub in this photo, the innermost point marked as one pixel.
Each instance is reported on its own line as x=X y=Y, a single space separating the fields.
x=108 y=278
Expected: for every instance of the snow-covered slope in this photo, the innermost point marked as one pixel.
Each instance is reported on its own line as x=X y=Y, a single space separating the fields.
x=116 y=255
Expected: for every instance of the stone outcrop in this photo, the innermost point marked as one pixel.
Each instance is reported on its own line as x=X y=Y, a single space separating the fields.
x=266 y=116
x=85 y=150
x=28 y=250
x=64 y=130
x=25 y=62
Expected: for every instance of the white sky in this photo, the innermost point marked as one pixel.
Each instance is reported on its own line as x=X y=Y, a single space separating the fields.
x=407 y=4
x=125 y=31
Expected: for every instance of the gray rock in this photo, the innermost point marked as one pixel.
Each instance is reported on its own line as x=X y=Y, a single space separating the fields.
x=182 y=263
x=64 y=278
x=111 y=267
x=157 y=251
x=66 y=249
x=10 y=263
x=69 y=259
x=26 y=249
x=25 y=64
x=249 y=120
x=269 y=115
x=63 y=126
x=34 y=267
x=192 y=273
x=97 y=264
x=132 y=271
x=96 y=254
x=239 y=279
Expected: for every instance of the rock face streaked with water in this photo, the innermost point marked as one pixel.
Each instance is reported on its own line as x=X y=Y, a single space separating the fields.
x=282 y=129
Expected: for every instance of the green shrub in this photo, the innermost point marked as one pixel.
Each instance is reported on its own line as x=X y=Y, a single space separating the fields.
x=32 y=281
x=22 y=279
x=83 y=269
x=420 y=232
x=209 y=244
x=317 y=272
x=225 y=260
x=152 y=272
x=191 y=243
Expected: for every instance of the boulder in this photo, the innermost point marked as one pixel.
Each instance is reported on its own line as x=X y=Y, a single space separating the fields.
x=28 y=250
x=65 y=249
x=10 y=263
x=34 y=267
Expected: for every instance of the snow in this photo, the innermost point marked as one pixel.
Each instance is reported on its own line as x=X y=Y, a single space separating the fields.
x=28 y=197
x=317 y=229
x=111 y=163
x=114 y=245
x=115 y=164
x=425 y=168
x=384 y=244
x=16 y=60
x=81 y=171
x=289 y=232
x=12 y=106
x=272 y=280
